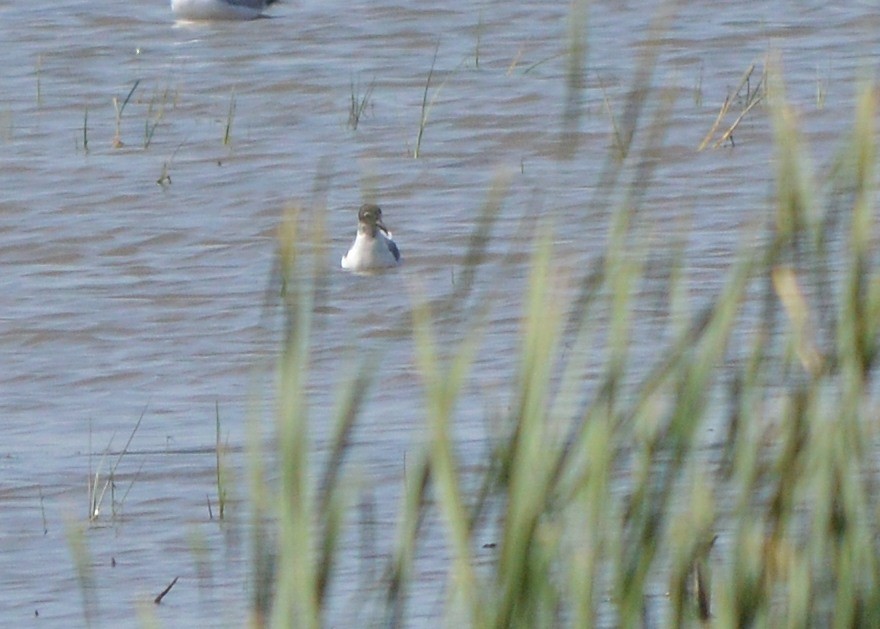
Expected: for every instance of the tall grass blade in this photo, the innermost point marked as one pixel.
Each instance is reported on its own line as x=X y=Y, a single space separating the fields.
x=85 y=575
x=442 y=390
x=297 y=598
x=230 y=116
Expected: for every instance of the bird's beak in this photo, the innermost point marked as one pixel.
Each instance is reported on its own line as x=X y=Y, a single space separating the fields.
x=381 y=225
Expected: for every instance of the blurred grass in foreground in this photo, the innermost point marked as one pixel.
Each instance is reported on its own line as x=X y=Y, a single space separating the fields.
x=781 y=528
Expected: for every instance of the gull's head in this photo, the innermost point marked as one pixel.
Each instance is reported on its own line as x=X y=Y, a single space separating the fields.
x=370 y=218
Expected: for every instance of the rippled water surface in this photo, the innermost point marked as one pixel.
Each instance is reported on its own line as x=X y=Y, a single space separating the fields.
x=121 y=297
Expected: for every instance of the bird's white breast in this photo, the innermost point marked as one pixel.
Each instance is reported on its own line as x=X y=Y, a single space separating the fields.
x=369 y=253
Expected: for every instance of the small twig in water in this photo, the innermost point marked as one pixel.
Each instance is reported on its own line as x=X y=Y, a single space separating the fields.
x=86 y=131
x=162 y=594
x=477 y=46
x=698 y=88
x=426 y=106
x=165 y=177
x=39 y=83
x=117 y=138
x=424 y=117
x=43 y=510
x=514 y=62
x=218 y=450
x=542 y=61
x=229 y=116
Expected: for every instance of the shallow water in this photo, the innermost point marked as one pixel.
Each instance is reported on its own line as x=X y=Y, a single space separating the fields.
x=121 y=297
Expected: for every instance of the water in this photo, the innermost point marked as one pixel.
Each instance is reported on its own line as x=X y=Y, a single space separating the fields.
x=121 y=297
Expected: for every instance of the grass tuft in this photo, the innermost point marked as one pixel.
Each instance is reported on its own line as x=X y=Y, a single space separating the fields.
x=750 y=100
x=96 y=495
x=358 y=103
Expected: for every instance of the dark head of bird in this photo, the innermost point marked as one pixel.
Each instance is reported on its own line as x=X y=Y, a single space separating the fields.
x=370 y=218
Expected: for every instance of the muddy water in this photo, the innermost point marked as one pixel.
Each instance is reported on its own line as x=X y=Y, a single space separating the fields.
x=122 y=297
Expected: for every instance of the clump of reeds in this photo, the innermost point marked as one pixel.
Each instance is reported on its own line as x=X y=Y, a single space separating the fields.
x=99 y=486
x=358 y=103
x=744 y=94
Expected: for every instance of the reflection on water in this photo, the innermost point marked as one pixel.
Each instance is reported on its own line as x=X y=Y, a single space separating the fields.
x=122 y=296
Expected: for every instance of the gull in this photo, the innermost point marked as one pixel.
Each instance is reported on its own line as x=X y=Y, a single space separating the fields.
x=219 y=9
x=373 y=247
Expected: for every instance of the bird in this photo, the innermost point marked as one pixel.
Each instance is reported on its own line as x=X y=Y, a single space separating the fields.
x=373 y=246
x=219 y=9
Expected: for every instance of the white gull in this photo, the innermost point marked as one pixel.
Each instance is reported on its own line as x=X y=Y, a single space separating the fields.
x=373 y=246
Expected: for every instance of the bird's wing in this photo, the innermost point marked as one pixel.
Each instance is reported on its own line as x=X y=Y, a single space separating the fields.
x=392 y=247
x=250 y=4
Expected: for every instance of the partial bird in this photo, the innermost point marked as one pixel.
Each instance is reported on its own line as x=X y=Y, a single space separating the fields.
x=373 y=246
x=219 y=9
